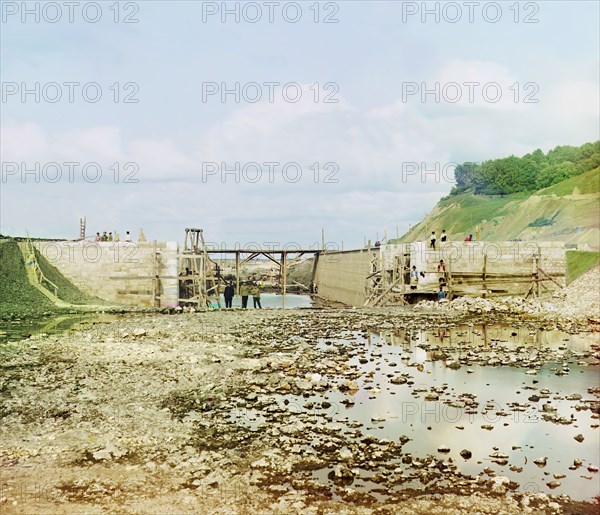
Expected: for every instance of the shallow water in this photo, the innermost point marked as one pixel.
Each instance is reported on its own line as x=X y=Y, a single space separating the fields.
x=274 y=300
x=430 y=424
x=21 y=329
x=37 y=327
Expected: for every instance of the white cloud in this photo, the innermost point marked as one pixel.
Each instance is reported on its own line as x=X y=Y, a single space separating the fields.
x=370 y=146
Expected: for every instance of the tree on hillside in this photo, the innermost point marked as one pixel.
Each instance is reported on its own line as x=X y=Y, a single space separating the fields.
x=528 y=173
x=464 y=174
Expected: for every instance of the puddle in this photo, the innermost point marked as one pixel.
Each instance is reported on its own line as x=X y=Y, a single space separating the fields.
x=39 y=327
x=516 y=431
x=274 y=300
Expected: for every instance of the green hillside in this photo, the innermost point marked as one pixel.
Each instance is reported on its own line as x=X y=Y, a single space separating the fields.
x=18 y=297
x=67 y=291
x=580 y=262
x=568 y=211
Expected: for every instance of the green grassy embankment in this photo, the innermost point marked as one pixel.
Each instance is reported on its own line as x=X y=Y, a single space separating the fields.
x=66 y=290
x=579 y=262
x=18 y=298
x=568 y=211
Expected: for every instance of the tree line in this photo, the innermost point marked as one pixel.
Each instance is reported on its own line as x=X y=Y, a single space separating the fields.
x=528 y=173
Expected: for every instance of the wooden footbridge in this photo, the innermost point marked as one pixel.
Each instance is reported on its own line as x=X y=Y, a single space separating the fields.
x=201 y=281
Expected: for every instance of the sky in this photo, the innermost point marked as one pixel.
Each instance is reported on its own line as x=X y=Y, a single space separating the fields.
x=268 y=122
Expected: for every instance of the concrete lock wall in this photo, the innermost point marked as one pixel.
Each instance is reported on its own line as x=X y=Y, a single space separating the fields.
x=120 y=272
x=341 y=276
x=509 y=265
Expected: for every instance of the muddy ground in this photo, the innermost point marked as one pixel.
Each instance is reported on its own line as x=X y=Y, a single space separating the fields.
x=212 y=413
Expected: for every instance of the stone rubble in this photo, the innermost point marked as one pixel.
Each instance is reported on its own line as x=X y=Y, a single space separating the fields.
x=224 y=412
x=578 y=302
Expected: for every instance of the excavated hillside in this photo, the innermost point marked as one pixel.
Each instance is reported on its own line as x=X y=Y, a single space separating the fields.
x=568 y=211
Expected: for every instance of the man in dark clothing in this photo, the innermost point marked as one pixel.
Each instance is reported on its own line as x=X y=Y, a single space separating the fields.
x=228 y=294
x=432 y=240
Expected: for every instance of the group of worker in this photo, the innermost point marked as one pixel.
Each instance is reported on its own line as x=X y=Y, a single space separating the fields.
x=247 y=288
x=433 y=238
x=109 y=237
x=444 y=238
x=443 y=279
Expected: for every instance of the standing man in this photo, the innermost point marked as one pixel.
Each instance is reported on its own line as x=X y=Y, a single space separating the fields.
x=432 y=240
x=256 y=295
x=228 y=294
x=414 y=278
x=244 y=292
x=441 y=294
x=441 y=268
x=444 y=236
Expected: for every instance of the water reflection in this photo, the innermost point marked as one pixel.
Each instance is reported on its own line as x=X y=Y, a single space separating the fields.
x=275 y=300
x=484 y=409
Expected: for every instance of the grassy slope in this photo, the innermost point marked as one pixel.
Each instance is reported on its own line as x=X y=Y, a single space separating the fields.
x=586 y=183
x=18 y=298
x=573 y=204
x=66 y=290
x=580 y=262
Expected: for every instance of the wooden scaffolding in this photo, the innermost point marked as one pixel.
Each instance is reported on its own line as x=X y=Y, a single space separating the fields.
x=389 y=283
x=199 y=277
x=201 y=280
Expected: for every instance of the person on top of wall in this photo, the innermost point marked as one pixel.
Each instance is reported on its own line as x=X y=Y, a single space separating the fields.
x=432 y=240
x=469 y=238
x=98 y=237
x=444 y=236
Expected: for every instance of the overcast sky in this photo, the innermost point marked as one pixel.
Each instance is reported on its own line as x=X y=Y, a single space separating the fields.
x=337 y=106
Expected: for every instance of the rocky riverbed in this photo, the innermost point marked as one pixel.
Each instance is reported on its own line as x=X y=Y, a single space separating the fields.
x=302 y=411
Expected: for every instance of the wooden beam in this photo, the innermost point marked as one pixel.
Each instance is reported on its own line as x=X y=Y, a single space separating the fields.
x=237 y=273
x=263 y=251
x=251 y=257
x=314 y=268
x=380 y=298
x=549 y=277
x=283 y=274
x=483 y=274
x=269 y=257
